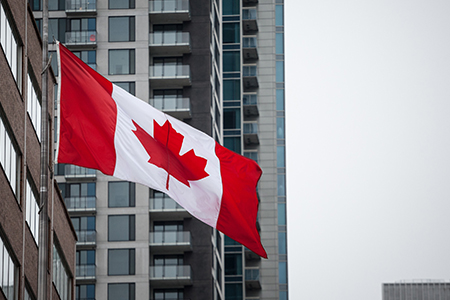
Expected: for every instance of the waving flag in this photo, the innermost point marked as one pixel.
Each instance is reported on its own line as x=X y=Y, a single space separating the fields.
x=103 y=127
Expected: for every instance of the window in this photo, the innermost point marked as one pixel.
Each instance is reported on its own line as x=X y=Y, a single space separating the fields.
x=282 y=271
x=230 y=7
x=10 y=45
x=121 y=29
x=34 y=107
x=56 y=4
x=282 y=242
x=60 y=277
x=280 y=128
x=121 y=61
x=281 y=185
x=35 y=5
x=7 y=273
x=231 y=61
x=233 y=264
x=231 y=89
x=232 y=118
x=279 y=15
x=9 y=159
x=280 y=157
x=129 y=86
x=121 y=228
x=280 y=99
x=232 y=143
x=56 y=30
x=77 y=190
x=85 y=228
x=85 y=292
x=233 y=291
x=168 y=294
x=89 y=57
x=32 y=212
x=169 y=266
x=85 y=263
x=121 y=194
x=81 y=31
x=121 y=4
x=280 y=71
x=279 y=43
x=231 y=33
x=121 y=261
x=121 y=291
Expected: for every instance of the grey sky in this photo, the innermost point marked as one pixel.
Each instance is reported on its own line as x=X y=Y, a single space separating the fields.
x=368 y=124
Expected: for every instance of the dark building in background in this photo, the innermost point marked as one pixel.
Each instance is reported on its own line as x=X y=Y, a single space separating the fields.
x=20 y=125
x=417 y=290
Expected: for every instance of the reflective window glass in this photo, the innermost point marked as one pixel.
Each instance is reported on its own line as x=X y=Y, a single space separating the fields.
x=231 y=118
x=121 y=29
x=121 y=228
x=231 y=33
x=231 y=61
x=121 y=61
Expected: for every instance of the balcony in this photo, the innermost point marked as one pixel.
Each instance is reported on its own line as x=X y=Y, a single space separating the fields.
x=170 y=242
x=177 y=275
x=249 y=49
x=81 y=38
x=76 y=172
x=170 y=75
x=162 y=208
x=250 y=255
x=169 y=11
x=179 y=108
x=169 y=42
x=251 y=134
x=81 y=6
x=76 y=204
x=249 y=23
x=252 y=279
x=86 y=237
x=250 y=105
x=250 y=78
x=85 y=272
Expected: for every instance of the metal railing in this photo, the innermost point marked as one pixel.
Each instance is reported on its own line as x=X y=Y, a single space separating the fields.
x=250 y=128
x=84 y=271
x=162 y=6
x=249 y=42
x=251 y=274
x=81 y=37
x=86 y=236
x=249 y=71
x=170 y=272
x=170 y=71
x=167 y=38
x=81 y=5
x=172 y=104
x=250 y=99
x=249 y=14
x=170 y=237
x=164 y=203
x=80 y=203
x=76 y=171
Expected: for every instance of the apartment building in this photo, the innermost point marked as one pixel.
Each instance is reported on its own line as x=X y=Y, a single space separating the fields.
x=20 y=147
x=419 y=289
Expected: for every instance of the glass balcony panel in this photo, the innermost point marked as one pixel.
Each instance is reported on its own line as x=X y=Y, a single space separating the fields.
x=81 y=5
x=80 y=203
x=174 y=271
x=86 y=236
x=85 y=271
x=81 y=37
x=168 y=70
x=252 y=274
x=250 y=99
x=250 y=71
x=250 y=128
x=76 y=171
x=249 y=14
x=249 y=42
x=168 y=5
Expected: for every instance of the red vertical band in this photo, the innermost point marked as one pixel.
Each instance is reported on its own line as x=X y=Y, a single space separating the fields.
x=88 y=116
x=239 y=208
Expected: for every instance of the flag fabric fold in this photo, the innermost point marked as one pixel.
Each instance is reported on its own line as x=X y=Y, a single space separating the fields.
x=103 y=127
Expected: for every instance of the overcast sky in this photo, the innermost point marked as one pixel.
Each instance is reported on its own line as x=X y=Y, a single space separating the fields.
x=368 y=123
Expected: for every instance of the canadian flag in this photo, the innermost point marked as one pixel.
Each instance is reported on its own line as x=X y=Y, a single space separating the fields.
x=103 y=127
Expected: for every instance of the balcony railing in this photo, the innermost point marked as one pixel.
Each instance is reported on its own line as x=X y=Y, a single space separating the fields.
x=249 y=42
x=80 y=203
x=250 y=77
x=81 y=37
x=252 y=279
x=249 y=49
x=170 y=237
x=165 y=6
x=71 y=171
x=85 y=271
x=161 y=38
x=249 y=21
x=170 y=272
x=250 y=102
x=250 y=128
x=176 y=107
x=249 y=14
x=253 y=155
x=165 y=208
x=73 y=6
x=250 y=71
x=250 y=99
x=251 y=134
x=86 y=236
x=170 y=75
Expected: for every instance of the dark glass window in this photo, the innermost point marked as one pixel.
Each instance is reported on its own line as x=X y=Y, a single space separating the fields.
x=282 y=243
x=230 y=7
x=280 y=71
x=231 y=89
x=279 y=15
x=85 y=257
x=281 y=213
x=231 y=118
x=233 y=264
x=86 y=189
x=168 y=294
x=231 y=33
x=168 y=260
x=121 y=261
x=121 y=228
x=280 y=157
x=121 y=61
x=121 y=291
x=89 y=57
x=282 y=271
x=279 y=43
x=129 y=86
x=121 y=194
x=85 y=292
x=280 y=99
x=233 y=291
x=86 y=223
x=232 y=143
x=83 y=24
x=122 y=29
x=56 y=30
x=56 y=4
x=121 y=4
x=230 y=241
x=231 y=61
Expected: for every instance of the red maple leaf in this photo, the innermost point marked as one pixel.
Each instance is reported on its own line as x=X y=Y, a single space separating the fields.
x=164 y=150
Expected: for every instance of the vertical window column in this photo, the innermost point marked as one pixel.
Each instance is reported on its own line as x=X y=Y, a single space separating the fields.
x=7 y=273
x=32 y=212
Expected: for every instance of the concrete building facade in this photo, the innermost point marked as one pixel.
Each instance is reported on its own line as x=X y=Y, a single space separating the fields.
x=417 y=290
x=20 y=146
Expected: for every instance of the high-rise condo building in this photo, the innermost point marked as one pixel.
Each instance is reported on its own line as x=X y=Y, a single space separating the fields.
x=136 y=243
x=423 y=290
